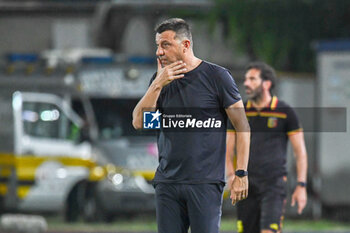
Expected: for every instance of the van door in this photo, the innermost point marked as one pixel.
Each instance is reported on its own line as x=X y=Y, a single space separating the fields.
x=48 y=149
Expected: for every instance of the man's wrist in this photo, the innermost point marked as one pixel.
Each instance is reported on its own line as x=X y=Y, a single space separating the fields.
x=302 y=184
x=156 y=86
x=229 y=175
x=241 y=173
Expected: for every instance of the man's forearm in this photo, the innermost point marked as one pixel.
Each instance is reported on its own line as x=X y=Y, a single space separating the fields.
x=230 y=170
x=237 y=116
x=300 y=154
x=301 y=164
x=243 y=143
x=149 y=100
x=230 y=147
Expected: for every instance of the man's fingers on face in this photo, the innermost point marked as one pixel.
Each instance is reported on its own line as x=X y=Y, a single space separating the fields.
x=179 y=67
x=172 y=65
x=159 y=64
x=178 y=76
x=180 y=71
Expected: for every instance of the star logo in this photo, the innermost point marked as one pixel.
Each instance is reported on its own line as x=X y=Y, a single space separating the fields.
x=151 y=120
x=156 y=115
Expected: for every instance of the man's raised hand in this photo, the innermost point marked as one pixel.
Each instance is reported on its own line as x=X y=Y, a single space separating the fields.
x=167 y=74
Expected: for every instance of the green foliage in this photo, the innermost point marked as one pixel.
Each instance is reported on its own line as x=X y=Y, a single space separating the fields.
x=281 y=32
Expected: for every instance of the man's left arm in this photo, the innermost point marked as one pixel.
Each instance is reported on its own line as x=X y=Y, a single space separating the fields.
x=231 y=101
x=237 y=116
x=299 y=196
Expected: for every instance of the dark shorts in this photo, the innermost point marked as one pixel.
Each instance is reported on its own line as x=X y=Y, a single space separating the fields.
x=264 y=207
x=180 y=206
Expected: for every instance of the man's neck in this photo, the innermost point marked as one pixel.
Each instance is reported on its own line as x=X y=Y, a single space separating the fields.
x=192 y=62
x=262 y=102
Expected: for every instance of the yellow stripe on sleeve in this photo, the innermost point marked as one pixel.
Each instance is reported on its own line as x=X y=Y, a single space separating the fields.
x=292 y=132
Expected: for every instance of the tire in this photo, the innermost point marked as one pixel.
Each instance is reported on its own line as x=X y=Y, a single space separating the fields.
x=83 y=202
x=73 y=203
x=92 y=210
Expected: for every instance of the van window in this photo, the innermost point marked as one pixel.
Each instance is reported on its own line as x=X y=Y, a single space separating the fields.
x=46 y=120
x=114 y=118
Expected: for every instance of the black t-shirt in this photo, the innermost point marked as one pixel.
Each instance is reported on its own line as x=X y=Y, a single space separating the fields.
x=196 y=156
x=270 y=128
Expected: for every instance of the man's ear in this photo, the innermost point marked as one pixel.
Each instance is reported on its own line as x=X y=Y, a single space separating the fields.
x=186 y=44
x=267 y=84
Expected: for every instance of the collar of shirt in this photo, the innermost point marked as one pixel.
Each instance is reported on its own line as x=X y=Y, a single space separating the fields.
x=272 y=105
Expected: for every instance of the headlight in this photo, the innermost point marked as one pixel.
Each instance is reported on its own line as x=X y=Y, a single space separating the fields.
x=117 y=179
x=122 y=182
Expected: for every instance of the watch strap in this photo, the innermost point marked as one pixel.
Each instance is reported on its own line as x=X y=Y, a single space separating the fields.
x=302 y=184
x=241 y=173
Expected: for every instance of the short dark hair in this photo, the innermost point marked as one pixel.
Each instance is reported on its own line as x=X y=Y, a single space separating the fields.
x=179 y=26
x=267 y=73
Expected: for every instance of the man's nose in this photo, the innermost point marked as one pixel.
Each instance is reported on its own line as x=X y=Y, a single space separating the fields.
x=246 y=83
x=160 y=51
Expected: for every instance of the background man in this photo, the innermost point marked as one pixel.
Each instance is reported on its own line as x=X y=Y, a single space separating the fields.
x=272 y=123
x=190 y=176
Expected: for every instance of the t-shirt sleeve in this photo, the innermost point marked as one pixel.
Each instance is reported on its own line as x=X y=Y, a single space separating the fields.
x=230 y=127
x=293 y=123
x=228 y=90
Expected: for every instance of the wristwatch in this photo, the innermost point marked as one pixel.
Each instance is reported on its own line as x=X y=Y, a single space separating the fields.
x=241 y=173
x=301 y=184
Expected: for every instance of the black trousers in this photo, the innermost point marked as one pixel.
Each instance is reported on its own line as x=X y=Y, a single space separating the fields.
x=264 y=207
x=180 y=206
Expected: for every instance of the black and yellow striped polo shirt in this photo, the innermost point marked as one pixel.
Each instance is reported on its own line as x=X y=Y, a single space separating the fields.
x=270 y=128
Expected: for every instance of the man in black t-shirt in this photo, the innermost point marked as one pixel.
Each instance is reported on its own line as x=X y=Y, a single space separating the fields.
x=191 y=173
x=272 y=123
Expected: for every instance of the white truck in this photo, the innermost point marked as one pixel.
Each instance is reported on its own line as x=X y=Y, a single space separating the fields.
x=67 y=143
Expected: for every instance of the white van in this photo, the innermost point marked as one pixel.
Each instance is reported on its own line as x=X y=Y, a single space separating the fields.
x=54 y=156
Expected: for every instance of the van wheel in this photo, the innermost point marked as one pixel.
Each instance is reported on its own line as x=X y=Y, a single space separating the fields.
x=93 y=212
x=73 y=204
x=92 y=209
